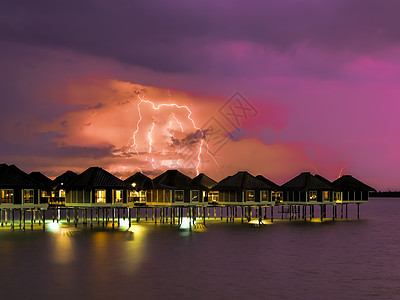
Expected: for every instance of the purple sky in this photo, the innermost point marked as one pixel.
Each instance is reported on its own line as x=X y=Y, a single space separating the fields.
x=321 y=76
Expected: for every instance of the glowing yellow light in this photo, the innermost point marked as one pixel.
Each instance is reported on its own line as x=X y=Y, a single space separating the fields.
x=185 y=223
x=134 y=184
x=53 y=226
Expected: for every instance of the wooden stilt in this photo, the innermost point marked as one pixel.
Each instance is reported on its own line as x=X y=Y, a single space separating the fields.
x=32 y=214
x=44 y=220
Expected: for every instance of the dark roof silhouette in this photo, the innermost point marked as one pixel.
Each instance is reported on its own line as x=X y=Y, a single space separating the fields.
x=348 y=182
x=172 y=179
x=64 y=178
x=142 y=181
x=42 y=180
x=241 y=180
x=96 y=177
x=13 y=177
x=306 y=181
x=272 y=184
x=323 y=179
x=205 y=181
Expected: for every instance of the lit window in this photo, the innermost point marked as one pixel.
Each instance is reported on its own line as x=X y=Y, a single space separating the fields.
x=61 y=193
x=7 y=196
x=28 y=196
x=250 y=195
x=264 y=195
x=277 y=196
x=213 y=196
x=178 y=195
x=100 y=196
x=117 y=196
x=337 y=196
x=327 y=196
x=194 y=195
x=312 y=195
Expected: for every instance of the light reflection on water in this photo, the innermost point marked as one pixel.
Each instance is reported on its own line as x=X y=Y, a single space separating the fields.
x=356 y=259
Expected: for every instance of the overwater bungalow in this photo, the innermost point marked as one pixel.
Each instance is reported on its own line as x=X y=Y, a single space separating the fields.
x=307 y=189
x=18 y=190
x=348 y=189
x=174 y=188
x=46 y=186
x=276 y=193
x=244 y=188
x=207 y=184
x=96 y=187
x=59 y=188
x=139 y=184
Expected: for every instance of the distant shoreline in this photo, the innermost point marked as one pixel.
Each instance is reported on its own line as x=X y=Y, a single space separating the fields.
x=384 y=194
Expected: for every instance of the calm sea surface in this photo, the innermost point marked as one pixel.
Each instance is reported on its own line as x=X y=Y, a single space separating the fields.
x=353 y=259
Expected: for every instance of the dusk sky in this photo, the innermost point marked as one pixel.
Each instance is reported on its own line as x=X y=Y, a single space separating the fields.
x=319 y=82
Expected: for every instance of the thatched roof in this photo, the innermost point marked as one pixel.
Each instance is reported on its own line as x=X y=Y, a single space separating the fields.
x=242 y=180
x=41 y=179
x=272 y=184
x=96 y=177
x=141 y=181
x=63 y=179
x=205 y=181
x=306 y=181
x=173 y=179
x=349 y=183
x=13 y=177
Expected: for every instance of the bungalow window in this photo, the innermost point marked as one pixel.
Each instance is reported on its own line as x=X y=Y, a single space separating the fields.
x=327 y=196
x=277 y=196
x=213 y=196
x=264 y=195
x=117 y=196
x=61 y=193
x=100 y=196
x=7 y=196
x=28 y=196
x=195 y=195
x=250 y=195
x=337 y=196
x=312 y=195
x=178 y=195
x=45 y=194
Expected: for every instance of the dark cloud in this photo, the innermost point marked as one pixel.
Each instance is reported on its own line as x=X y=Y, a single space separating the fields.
x=44 y=146
x=175 y=35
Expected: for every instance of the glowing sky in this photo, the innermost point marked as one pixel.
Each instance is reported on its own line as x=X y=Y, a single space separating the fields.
x=320 y=80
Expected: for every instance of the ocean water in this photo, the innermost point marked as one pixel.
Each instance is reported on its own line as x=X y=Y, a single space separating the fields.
x=345 y=259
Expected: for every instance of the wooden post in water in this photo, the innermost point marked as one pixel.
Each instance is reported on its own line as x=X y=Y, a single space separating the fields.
x=32 y=214
x=113 y=217
x=129 y=217
x=358 y=210
x=272 y=214
x=346 y=210
x=23 y=217
x=322 y=212
x=44 y=220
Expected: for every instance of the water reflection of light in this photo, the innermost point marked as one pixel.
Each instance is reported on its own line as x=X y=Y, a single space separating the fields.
x=63 y=249
x=53 y=226
x=185 y=223
x=135 y=249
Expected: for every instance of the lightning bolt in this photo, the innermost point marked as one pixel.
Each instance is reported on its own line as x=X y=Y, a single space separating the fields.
x=157 y=107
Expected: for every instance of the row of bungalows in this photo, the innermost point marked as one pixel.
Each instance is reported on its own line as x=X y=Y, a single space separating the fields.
x=310 y=189
x=18 y=190
x=96 y=187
